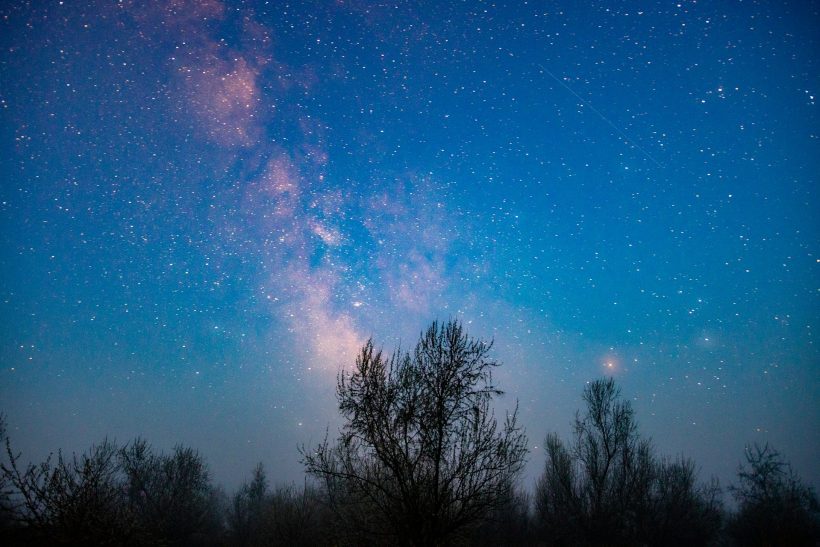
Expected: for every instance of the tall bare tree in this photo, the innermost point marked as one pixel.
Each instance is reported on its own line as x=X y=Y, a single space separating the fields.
x=607 y=487
x=421 y=457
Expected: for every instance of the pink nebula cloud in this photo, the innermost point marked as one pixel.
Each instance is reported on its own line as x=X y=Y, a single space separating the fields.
x=331 y=335
x=223 y=96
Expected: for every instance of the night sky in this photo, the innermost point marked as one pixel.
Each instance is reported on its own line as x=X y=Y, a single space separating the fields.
x=207 y=207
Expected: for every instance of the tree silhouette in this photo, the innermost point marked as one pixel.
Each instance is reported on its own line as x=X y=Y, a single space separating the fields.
x=295 y=518
x=110 y=495
x=682 y=512
x=171 y=494
x=508 y=524
x=607 y=488
x=421 y=457
x=249 y=504
x=76 y=500
x=774 y=506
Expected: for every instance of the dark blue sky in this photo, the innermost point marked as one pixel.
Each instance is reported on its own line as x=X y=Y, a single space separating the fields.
x=207 y=207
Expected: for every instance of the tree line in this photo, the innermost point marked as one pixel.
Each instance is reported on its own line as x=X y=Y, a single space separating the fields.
x=422 y=459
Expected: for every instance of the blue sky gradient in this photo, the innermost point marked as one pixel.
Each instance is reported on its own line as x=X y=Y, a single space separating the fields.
x=207 y=207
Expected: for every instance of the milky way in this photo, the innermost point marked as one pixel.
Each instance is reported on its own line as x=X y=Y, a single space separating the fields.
x=208 y=207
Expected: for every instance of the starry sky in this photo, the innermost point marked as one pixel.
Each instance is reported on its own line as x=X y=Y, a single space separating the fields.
x=206 y=207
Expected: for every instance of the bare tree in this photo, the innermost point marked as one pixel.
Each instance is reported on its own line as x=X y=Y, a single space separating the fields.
x=7 y=506
x=76 y=500
x=774 y=506
x=285 y=516
x=509 y=524
x=171 y=495
x=249 y=504
x=607 y=488
x=421 y=457
x=601 y=483
x=110 y=495
x=682 y=512
x=295 y=517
